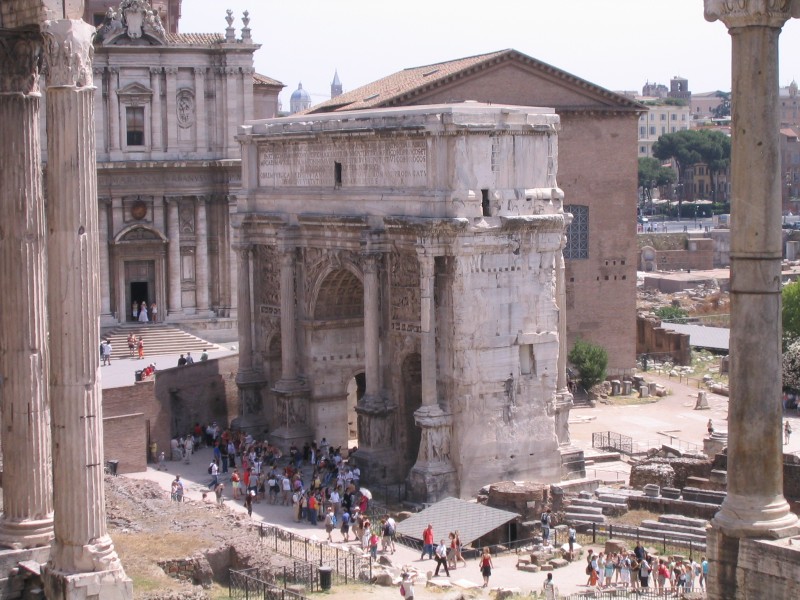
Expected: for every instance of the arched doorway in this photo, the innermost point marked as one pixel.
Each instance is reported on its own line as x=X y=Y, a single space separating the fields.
x=336 y=339
x=355 y=391
x=411 y=374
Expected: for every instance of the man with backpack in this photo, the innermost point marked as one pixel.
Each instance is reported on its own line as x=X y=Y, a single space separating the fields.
x=546 y=521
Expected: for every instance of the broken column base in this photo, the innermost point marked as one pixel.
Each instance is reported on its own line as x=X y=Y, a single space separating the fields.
x=750 y=569
x=715 y=443
x=379 y=466
x=573 y=462
x=431 y=483
x=97 y=585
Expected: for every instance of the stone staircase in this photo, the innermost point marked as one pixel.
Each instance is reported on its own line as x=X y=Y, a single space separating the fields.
x=675 y=527
x=593 y=508
x=158 y=339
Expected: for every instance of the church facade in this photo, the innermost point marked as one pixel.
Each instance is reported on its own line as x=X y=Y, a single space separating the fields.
x=167 y=109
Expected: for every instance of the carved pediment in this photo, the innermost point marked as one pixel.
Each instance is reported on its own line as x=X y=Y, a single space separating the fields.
x=135 y=94
x=134 y=23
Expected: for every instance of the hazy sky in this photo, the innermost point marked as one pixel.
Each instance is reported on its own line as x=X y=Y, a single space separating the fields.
x=618 y=44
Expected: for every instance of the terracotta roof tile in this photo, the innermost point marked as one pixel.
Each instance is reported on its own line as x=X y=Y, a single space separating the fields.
x=398 y=88
x=194 y=39
x=259 y=79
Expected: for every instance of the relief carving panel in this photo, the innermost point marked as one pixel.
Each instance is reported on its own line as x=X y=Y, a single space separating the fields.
x=404 y=281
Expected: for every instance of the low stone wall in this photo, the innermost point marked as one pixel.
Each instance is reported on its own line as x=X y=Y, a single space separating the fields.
x=668 y=506
x=652 y=338
x=768 y=569
x=526 y=498
x=656 y=470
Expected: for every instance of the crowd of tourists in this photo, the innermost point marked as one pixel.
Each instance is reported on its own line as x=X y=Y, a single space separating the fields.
x=638 y=570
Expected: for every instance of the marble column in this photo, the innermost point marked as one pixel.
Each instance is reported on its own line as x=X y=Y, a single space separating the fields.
x=201 y=263
x=232 y=93
x=433 y=476
x=563 y=400
x=754 y=506
x=232 y=277
x=27 y=519
x=106 y=317
x=376 y=417
x=291 y=391
x=172 y=108
x=174 y=256
x=201 y=122
x=114 y=116
x=83 y=562
x=157 y=122
x=245 y=312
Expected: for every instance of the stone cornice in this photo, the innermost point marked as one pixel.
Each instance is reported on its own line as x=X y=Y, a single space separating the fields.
x=69 y=53
x=752 y=13
x=21 y=53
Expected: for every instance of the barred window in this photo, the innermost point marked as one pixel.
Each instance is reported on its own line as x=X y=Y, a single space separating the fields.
x=577 y=233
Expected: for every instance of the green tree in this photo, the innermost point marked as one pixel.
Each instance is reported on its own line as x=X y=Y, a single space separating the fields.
x=591 y=361
x=695 y=146
x=672 y=314
x=652 y=174
x=723 y=109
x=791 y=366
x=790 y=313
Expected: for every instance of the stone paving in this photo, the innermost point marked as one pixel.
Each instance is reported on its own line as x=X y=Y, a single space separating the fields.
x=672 y=415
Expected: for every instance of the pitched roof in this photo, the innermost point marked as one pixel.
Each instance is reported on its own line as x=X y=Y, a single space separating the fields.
x=259 y=79
x=194 y=39
x=472 y=520
x=401 y=87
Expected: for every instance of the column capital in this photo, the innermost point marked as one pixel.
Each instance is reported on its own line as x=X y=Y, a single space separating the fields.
x=69 y=52
x=200 y=72
x=369 y=261
x=156 y=70
x=22 y=61
x=752 y=13
x=171 y=70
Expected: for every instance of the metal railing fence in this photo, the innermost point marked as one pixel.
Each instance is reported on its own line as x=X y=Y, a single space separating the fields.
x=251 y=584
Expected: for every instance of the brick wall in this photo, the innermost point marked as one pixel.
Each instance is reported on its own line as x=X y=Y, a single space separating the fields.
x=651 y=338
x=125 y=440
x=168 y=406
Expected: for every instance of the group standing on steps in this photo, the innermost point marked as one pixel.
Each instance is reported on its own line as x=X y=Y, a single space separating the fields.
x=139 y=312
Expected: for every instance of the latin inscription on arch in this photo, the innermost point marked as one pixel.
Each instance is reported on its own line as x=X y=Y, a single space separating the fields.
x=366 y=163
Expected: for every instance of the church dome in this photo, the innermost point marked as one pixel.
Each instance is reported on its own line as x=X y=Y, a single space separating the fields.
x=300 y=95
x=299 y=100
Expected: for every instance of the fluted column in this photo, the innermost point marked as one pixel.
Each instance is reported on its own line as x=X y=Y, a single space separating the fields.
x=288 y=316
x=372 y=328
x=82 y=545
x=428 y=330
x=754 y=506
x=27 y=519
x=245 y=311
x=233 y=113
x=174 y=256
x=232 y=276
x=105 y=274
x=433 y=476
x=201 y=278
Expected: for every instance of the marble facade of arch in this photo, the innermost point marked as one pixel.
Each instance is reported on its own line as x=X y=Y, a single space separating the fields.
x=380 y=256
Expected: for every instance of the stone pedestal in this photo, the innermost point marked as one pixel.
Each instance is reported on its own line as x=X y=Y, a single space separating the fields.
x=291 y=420
x=715 y=443
x=376 y=456
x=702 y=401
x=251 y=400
x=433 y=476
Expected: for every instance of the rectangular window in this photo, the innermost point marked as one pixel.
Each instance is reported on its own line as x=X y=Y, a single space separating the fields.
x=642 y=131
x=652 y=130
x=642 y=149
x=135 y=125
x=673 y=117
x=663 y=117
x=652 y=116
x=577 y=246
x=683 y=117
x=527 y=360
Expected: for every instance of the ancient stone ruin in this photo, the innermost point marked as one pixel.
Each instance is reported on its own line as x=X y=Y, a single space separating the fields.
x=402 y=269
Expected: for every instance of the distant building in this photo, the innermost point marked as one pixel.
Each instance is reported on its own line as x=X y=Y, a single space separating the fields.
x=300 y=100
x=704 y=104
x=654 y=90
x=679 y=89
x=336 y=85
x=788 y=105
x=659 y=119
x=167 y=110
x=790 y=168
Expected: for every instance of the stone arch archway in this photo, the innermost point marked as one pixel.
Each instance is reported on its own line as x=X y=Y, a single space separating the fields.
x=411 y=398
x=340 y=295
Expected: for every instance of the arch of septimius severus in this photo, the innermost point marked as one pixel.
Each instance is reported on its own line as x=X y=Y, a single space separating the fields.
x=53 y=494
x=418 y=252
